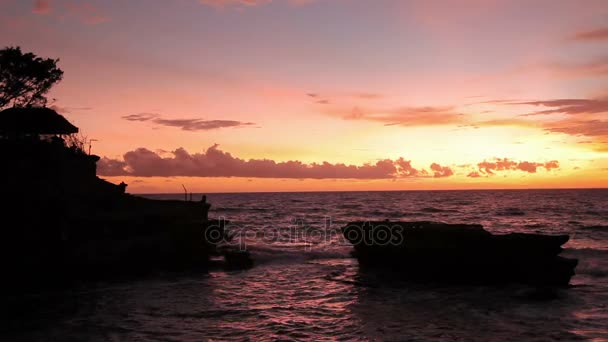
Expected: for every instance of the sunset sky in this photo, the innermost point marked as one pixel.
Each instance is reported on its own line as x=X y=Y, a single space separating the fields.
x=290 y=95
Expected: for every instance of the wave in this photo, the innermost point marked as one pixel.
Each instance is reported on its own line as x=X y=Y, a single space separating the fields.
x=264 y=255
x=535 y=225
x=217 y=313
x=586 y=252
x=591 y=262
x=380 y=214
x=233 y=209
x=437 y=210
x=549 y=209
x=510 y=212
x=597 y=272
x=392 y=215
x=598 y=228
x=349 y=206
x=463 y=203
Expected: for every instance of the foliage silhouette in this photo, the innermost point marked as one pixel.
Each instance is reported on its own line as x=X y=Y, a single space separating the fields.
x=25 y=78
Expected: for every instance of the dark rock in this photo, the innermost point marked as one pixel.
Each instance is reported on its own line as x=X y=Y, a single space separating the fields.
x=62 y=223
x=459 y=253
x=237 y=260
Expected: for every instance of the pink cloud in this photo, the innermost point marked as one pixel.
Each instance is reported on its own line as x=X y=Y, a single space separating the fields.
x=474 y=174
x=368 y=96
x=406 y=116
x=216 y=163
x=505 y=164
x=583 y=117
x=248 y=3
x=224 y=3
x=86 y=12
x=569 y=106
x=590 y=128
x=186 y=124
x=554 y=164
x=42 y=7
x=83 y=11
x=430 y=115
x=592 y=35
x=529 y=167
x=441 y=171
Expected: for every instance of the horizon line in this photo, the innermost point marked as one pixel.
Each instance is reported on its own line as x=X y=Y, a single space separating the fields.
x=340 y=191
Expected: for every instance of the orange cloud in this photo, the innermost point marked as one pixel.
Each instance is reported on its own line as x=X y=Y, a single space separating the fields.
x=504 y=122
x=474 y=174
x=406 y=116
x=367 y=96
x=590 y=128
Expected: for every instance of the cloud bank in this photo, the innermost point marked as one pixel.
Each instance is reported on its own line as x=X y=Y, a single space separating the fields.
x=216 y=163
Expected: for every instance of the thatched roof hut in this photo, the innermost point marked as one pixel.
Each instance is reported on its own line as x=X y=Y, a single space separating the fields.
x=34 y=121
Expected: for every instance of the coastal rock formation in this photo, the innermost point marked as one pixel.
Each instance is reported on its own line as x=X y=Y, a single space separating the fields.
x=459 y=253
x=61 y=221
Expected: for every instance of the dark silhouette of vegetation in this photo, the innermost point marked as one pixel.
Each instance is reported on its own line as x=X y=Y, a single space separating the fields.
x=61 y=222
x=77 y=142
x=25 y=78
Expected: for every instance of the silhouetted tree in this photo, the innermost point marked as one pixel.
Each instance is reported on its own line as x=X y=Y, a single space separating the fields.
x=26 y=78
x=77 y=142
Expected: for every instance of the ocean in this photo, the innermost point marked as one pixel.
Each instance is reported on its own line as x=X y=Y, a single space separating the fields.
x=306 y=286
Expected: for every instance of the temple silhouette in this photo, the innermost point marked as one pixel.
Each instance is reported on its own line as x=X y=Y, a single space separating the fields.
x=63 y=222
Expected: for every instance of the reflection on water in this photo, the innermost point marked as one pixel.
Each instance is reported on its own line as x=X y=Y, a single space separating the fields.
x=333 y=301
x=313 y=290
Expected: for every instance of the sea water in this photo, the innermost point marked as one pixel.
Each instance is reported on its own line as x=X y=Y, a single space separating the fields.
x=305 y=285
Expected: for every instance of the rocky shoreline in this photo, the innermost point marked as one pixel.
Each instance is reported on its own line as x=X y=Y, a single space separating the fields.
x=62 y=222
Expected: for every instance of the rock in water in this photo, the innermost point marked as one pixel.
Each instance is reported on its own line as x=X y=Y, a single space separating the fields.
x=459 y=253
x=237 y=260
